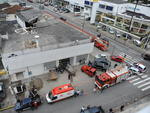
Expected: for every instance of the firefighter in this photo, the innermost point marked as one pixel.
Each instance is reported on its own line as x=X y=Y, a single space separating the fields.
x=90 y=63
x=122 y=108
x=83 y=108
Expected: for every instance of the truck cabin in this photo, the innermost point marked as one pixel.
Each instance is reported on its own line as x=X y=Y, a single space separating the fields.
x=103 y=79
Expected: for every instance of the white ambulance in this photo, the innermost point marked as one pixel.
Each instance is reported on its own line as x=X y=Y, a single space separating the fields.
x=60 y=92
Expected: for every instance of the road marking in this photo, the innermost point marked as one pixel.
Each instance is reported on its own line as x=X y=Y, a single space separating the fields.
x=144 y=76
x=131 y=77
x=134 y=80
x=141 y=81
x=145 y=88
x=144 y=84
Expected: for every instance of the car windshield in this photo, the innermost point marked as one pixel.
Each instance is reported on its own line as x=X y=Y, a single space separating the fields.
x=97 y=79
x=50 y=95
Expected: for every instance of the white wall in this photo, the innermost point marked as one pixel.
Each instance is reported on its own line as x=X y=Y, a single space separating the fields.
x=20 y=22
x=36 y=70
x=140 y=9
x=29 y=60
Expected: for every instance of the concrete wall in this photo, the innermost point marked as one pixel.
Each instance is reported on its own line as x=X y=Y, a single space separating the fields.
x=28 y=60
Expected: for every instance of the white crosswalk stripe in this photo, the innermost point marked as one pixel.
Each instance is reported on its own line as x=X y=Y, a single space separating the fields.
x=140 y=81
x=131 y=77
x=129 y=59
x=145 y=88
x=134 y=80
x=144 y=84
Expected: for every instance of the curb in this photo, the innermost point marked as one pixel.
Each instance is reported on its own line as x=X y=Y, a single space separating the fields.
x=6 y=108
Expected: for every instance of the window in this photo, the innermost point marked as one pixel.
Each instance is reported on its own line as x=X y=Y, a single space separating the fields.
x=110 y=8
x=87 y=2
x=101 y=6
x=91 y=3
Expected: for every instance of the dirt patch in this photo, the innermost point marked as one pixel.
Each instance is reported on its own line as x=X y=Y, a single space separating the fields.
x=37 y=83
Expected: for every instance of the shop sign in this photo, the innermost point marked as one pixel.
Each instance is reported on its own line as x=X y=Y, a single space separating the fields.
x=132 y=8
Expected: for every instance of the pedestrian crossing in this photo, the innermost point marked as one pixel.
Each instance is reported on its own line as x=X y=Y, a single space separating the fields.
x=129 y=59
x=142 y=82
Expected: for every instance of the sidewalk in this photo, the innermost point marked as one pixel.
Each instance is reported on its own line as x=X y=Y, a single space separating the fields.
x=137 y=106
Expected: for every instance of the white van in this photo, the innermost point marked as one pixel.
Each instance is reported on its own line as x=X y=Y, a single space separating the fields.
x=60 y=92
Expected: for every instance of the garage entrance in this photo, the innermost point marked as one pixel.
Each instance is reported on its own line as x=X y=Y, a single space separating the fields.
x=64 y=62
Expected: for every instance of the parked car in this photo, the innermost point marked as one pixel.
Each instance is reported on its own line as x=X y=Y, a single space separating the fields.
x=141 y=67
x=101 y=63
x=65 y=10
x=93 y=109
x=27 y=103
x=88 y=70
x=104 y=28
x=101 y=56
x=118 y=58
x=111 y=31
x=146 y=56
x=46 y=4
x=137 y=42
x=118 y=34
x=134 y=71
x=2 y=91
x=127 y=36
x=62 y=18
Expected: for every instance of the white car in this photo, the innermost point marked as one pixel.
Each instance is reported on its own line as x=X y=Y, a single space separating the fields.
x=111 y=31
x=118 y=34
x=137 y=42
x=101 y=56
x=140 y=67
x=134 y=71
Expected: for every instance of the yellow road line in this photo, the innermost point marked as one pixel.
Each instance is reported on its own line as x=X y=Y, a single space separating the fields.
x=8 y=107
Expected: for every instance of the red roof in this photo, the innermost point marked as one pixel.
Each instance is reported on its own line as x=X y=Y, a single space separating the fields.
x=62 y=89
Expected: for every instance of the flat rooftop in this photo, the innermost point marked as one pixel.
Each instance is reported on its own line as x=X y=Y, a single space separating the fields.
x=116 y=1
x=49 y=32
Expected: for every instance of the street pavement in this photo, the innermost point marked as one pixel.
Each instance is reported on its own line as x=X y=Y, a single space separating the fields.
x=121 y=94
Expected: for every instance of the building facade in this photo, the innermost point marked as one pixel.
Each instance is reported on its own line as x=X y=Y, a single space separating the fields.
x=37 y=51
x=115 y=13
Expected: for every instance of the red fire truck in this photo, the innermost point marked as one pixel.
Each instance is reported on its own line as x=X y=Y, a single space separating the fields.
x=112 y=77
x=89 y=70
x=100 y=44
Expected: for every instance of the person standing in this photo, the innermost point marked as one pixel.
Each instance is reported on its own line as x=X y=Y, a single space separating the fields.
x=83 y=108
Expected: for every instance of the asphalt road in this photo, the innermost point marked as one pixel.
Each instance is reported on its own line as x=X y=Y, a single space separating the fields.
x=111 y=97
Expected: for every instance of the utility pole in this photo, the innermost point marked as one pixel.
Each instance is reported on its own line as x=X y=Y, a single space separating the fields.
x=83 y=22
x=137 y=1
x=147 y=41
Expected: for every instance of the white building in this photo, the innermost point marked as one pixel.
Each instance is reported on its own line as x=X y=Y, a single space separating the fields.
x=117 y=13
x=33 y=53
